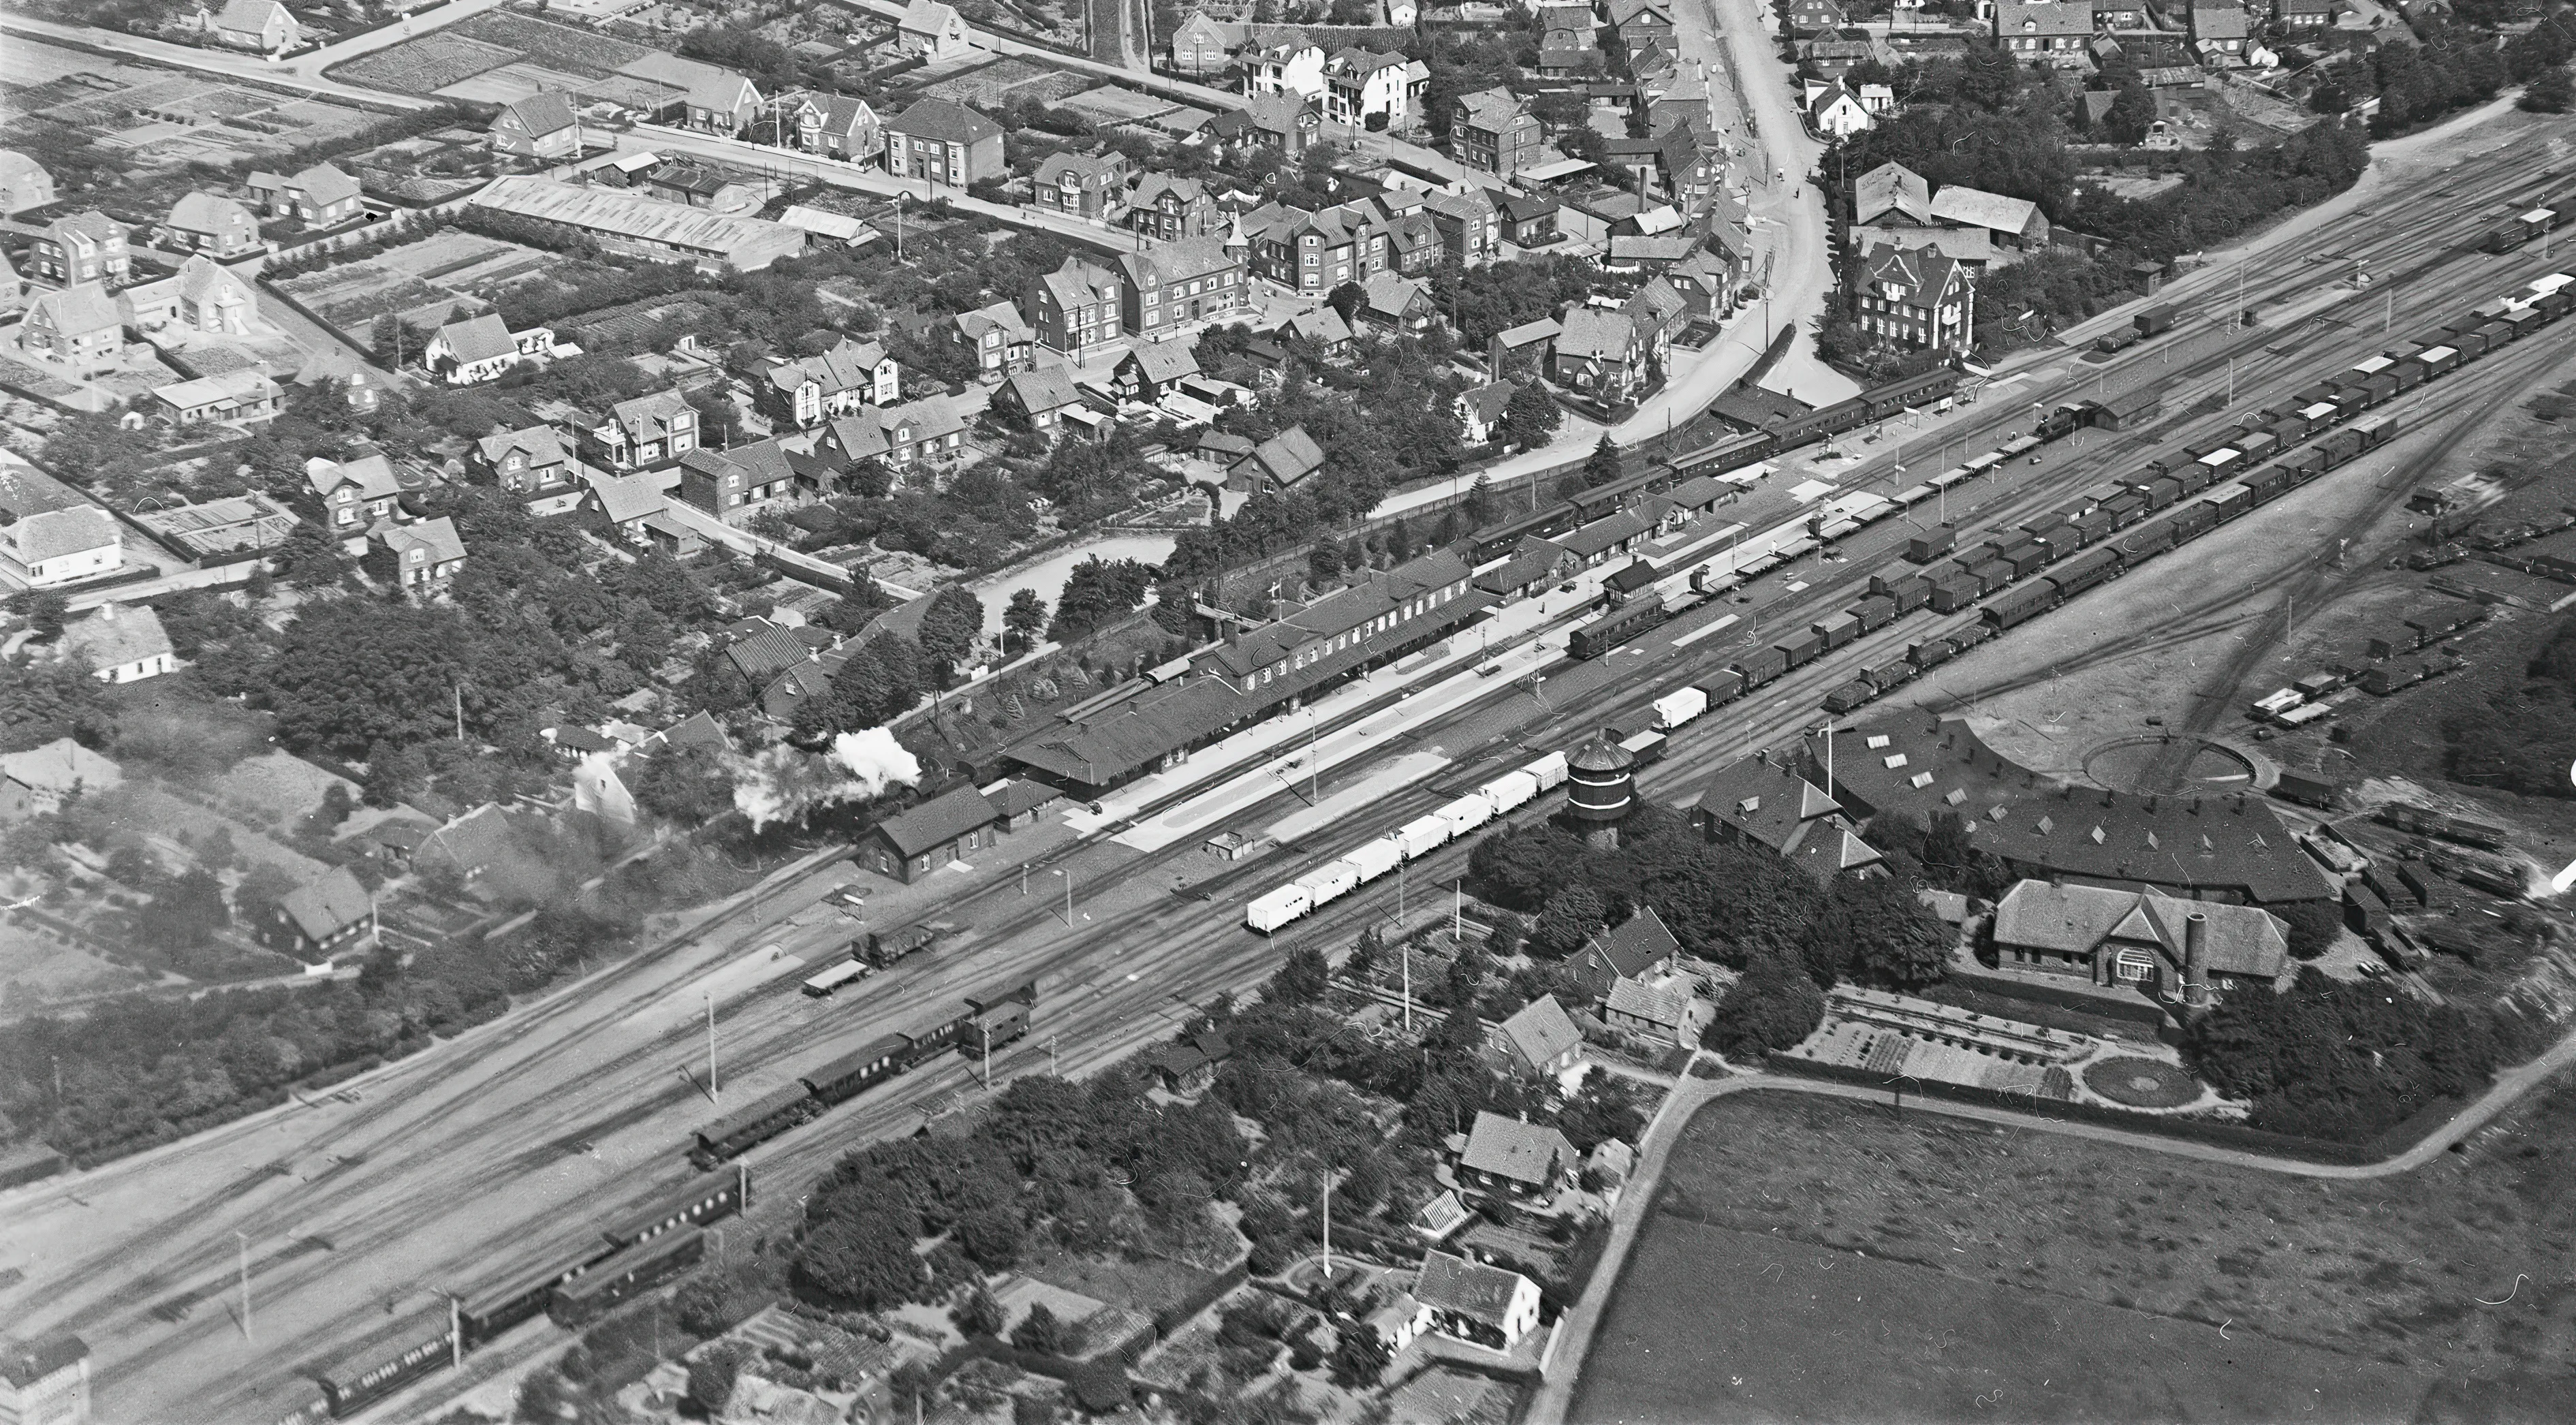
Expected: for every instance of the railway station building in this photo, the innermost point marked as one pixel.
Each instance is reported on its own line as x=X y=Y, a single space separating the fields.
x=1151 y=723
x=948 y=827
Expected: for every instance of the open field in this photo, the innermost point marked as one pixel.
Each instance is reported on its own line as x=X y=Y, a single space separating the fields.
x=1953 y=1261
x=160 y=118
x=580 y=51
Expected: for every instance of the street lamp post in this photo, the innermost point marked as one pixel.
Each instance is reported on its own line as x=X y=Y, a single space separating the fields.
x=1068 y=893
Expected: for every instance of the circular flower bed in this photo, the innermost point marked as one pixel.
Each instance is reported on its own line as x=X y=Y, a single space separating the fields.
x=2141 y=1083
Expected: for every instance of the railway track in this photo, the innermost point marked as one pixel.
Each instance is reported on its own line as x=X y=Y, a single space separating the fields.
x=606 y=1088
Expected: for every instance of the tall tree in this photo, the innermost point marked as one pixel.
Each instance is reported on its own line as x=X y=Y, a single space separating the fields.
x=1603 y=465
x=948 y=630
x=1023 y=619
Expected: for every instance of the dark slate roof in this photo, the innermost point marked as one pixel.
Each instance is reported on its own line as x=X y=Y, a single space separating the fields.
x=766 y=652
x=24 y=1365
x=324 y=908
x=943 y=120
x=940 y=820
x=1640 y=942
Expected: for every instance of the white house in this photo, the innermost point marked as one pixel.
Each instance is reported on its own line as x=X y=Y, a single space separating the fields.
x=1480 y=411
x=262 y=25
x=483 y=349
x=1472 y=1302
x=931 y=31
x=1359 y=86
x=1291 y=69
x=121 y=645
x=1834 y=111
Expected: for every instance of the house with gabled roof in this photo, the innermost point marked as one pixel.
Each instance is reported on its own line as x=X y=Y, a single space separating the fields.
x=261 y=26
x=212 y=224
x=356 y=493
x=723 y=103
x=1323 y=326
x=483 y=348
x=319 y=197
x=649 y=432
x=1539 y=1038
x=24 y=183
x=2141 y=939
x=811 y=390
x=1891 y=195
x=2052 y=32
x=1600 y=354
x=1398 y=303
x=931 y=32
x=1835 y=112
x=1276 y=464
x=944 y=142
x=1201 y=46
x=1082 y=185
x=837 y=125
x=202 y=296
x=121 y=644
x=998 y=337
x=738 y=483
x=1152 y=368
x=38 y=781
x=83 y=247
x=329 y=916
x=1515 y=1158
x=75 y=327
x=1074 y=307
x=623 y=503
x=417 y=556
x=1186 y=280
x=1480 y=410
x=893 y=436
x=1039 y=397
x=1470 y=1301
x=1662 y=1011
x=1286 y=123
x=949 y=827
x=1493 y=131
x=1761 y=802
x=2013 y=222
x=1168 y=209
x=531 y=463
x=2220 y=33
x=543 y=125
x=1641 y=946
x=1917 y=297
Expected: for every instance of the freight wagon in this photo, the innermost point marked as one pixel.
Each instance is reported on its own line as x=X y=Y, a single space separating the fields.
x=1611 y=629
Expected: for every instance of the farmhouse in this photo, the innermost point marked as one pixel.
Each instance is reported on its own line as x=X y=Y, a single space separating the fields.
x=483 y=348
x=543 y=125
x=50 y=533
x=121 y=645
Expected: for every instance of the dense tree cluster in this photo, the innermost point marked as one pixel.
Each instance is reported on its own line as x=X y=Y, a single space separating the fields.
x=1052 y=1155
x=2343 y=1061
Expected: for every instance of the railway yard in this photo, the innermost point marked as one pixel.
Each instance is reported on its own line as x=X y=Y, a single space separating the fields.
x=530 y=1144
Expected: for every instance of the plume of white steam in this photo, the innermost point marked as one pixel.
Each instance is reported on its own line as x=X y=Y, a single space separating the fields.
x=785 y=784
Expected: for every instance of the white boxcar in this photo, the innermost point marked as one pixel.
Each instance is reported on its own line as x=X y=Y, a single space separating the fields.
x=1676 y=708
x=1330 y=881
x=1467 y=813
x=1268 y=913
x=1515 y=790
x=1422 y=835
x=1550 y=771
x=1375 y=858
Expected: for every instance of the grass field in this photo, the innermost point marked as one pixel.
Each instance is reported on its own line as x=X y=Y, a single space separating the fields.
x=1813 y=1260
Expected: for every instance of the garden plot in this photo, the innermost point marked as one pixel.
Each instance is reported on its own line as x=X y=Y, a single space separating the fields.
x=514 y=82
x=419 y=282
x=582 y=52
x=428 y=63
x=25 y=65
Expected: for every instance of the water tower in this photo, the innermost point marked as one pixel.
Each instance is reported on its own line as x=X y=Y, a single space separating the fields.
x=1600 y=787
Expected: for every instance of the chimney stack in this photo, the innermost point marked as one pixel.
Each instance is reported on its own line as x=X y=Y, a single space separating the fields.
x=2195 y=961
